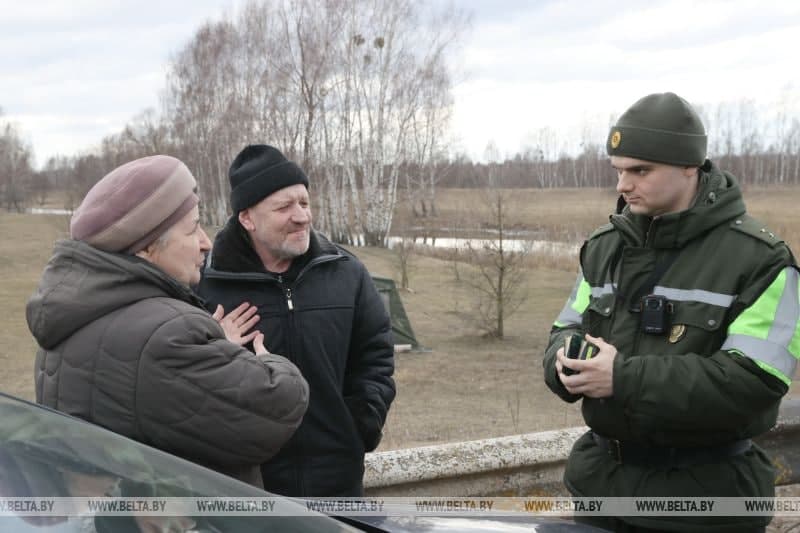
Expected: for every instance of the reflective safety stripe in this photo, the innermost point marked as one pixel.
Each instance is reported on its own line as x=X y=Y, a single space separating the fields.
x=695 y=295
x=572 y=313
x=787 y=319
x=576 y=304
x=768 y=331
x=597 y=292
x=773 y=358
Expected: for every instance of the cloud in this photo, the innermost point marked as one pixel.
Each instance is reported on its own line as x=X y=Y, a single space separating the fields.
x=573 y=65
x=576 y=40
x=73 y=72
x=66 y=134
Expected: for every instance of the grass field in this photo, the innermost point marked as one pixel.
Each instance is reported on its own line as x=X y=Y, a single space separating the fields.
x=467 y=387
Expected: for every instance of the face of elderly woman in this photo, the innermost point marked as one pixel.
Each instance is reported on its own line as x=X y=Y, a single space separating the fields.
x=180 y=252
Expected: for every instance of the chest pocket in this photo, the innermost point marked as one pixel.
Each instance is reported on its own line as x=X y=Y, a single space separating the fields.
x=697 y=327
x=596 y=318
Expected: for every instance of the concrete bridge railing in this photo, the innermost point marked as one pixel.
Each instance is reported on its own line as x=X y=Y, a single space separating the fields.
x=529 y=464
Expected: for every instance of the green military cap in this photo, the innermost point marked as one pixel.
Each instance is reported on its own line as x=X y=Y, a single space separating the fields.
x=660 y=127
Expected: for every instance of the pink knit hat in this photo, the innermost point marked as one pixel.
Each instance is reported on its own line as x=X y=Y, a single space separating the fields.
x=133 y=205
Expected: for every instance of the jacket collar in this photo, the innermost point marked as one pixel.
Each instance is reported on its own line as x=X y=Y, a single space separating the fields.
x=233 y=250
x=718 y=200
x=82 y=284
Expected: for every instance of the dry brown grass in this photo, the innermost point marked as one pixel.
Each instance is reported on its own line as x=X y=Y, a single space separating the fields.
x=467 y=387
x=558 y=214
x=778 y=209
x=25 y=247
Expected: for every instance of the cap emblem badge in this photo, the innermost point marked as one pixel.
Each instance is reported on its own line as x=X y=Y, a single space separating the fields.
x=616 y=137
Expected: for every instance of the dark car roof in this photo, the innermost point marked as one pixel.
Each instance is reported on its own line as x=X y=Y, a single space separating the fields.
x=42 y=452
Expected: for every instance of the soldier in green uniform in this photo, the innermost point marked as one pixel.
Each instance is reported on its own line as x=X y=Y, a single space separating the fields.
x=693 y=307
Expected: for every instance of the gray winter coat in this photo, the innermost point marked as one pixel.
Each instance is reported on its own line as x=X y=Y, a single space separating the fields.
x=125 y=346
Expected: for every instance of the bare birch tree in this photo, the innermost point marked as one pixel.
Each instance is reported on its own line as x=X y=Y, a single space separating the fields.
x=204 y=103
x=427 y=152
x=334 y=84
x=16 y=168
x=390 y=57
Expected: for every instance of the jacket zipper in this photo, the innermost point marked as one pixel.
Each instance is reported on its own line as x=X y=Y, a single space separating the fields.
x=314 y=262
x=297 y=457
x=647 y=235
x=289 y=299
x=649 y=232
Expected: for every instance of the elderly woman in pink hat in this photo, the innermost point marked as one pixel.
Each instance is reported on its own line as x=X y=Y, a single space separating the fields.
x=126 y=344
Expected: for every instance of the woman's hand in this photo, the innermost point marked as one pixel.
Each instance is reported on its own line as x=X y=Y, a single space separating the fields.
x=258 y=344
x=238 y=322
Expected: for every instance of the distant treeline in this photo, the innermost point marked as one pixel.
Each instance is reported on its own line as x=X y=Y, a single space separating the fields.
x=594 y=170
x=70 y=177
x=21 y=186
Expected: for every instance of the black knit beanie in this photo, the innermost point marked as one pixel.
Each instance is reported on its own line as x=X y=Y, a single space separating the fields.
x=258 y=171
x=662 y=128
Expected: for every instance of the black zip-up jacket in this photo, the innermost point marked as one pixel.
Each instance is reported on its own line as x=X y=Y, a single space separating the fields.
x=330 y=321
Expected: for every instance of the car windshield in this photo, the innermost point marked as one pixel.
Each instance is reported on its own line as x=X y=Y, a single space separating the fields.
x=44 y=453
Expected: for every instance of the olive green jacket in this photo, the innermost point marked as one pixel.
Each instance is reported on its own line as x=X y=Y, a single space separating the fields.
x=716 y=376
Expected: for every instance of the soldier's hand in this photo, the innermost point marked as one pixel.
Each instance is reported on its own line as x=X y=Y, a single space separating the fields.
x=595 y=376
x=559 y=356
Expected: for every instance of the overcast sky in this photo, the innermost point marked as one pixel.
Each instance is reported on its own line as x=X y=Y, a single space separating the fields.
x=73 y=71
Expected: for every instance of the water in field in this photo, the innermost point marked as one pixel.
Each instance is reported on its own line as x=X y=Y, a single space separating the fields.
x=459 y=243
x=514 y=245
x=49 y=211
